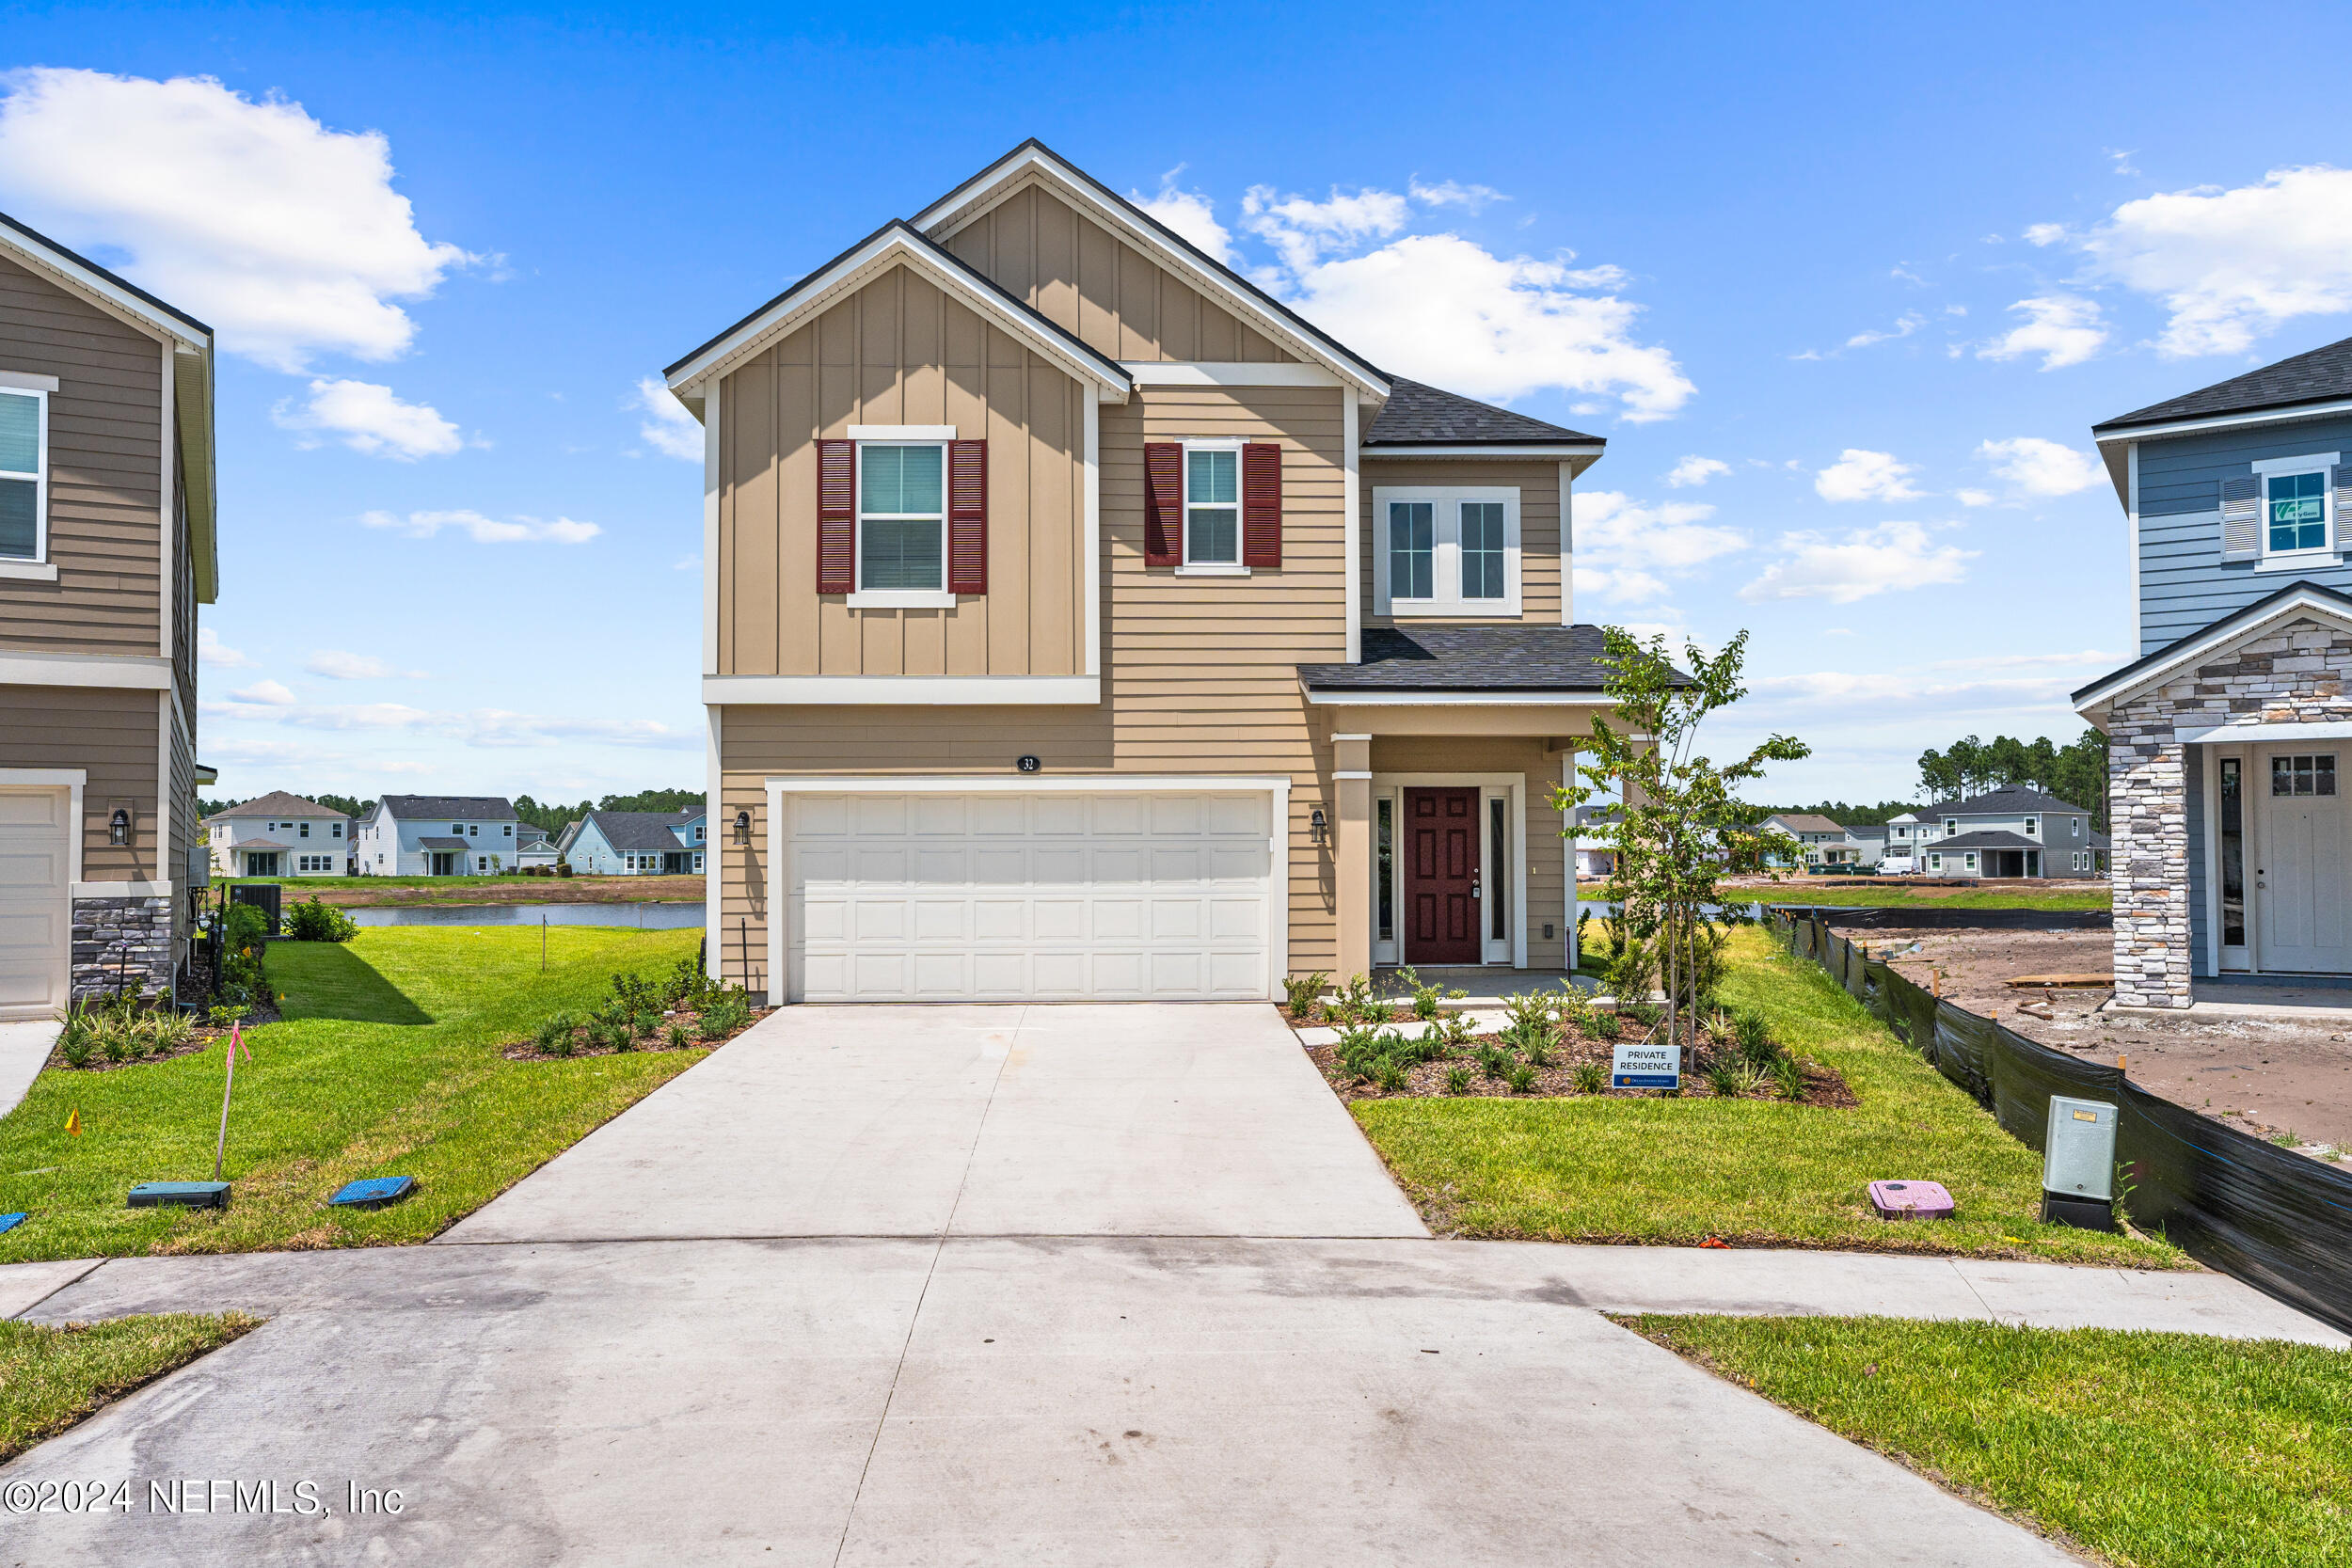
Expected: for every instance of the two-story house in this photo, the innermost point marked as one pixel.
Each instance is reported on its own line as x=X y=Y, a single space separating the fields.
x=1821 y=842
x=2010 y=833
x=106 y=549
x=280 y=835
x=635 y=844
x=1081 y=622
x=439 y=835
x=2233 y=848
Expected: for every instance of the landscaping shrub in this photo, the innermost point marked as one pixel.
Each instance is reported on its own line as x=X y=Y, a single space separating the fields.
x=1646 y=1014
x=1457 y=1080
x=678 y=1038
x=1755 y=1039
x=1376 y=1012
x=1390 y=1075
x=243 y=926
x=1590 y=1077
x=1520 y=1079
x=312 y=920
x=1727 y=1077
x=1300 y=991
x=728 y=1010
x=1787 y=1078
x=1493 y=1061
x=1603 y=1026
x=553 y=1028
x=1460 y=1028
x=646 y=1026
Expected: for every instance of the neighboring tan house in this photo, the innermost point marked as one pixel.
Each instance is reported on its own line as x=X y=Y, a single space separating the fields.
x=106 y=549
x=2010 y=832
x=635 y=844
x=439 y=835
x=2228 y=735
x=1079 y=622
x=280 y=835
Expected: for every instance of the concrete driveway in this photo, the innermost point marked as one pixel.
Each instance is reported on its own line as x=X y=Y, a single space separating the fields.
x=1066 y=1120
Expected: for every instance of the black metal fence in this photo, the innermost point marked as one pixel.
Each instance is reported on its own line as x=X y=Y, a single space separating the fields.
x=2281 y=1221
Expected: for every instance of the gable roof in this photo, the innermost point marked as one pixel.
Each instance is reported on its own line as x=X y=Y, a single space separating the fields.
x=1503 y=658
x=894 y=243
x=1986 y=839
x=460 y=808
x=278 y=803
x=1806 y=822
x=642 y=831
x=2320 y=375
x=191 y=376
x=2008 y=800
x=2206 y=641
x=1421 y=415
x=977 y=195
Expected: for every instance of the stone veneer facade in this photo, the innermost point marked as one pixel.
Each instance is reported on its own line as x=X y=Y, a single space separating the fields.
x=2292 y=675
x=121 y=943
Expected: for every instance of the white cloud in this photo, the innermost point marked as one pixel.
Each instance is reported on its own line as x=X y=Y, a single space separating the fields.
x=368 y=418
x=1862 y=476
x=337 y=665
x=1696 y=471
x=1862 y=563
x=485 y=531
x=1974 y=498
x=286 y=236
x=1905 y=325
x=1625 y=549
x=671 y=431
x=265 y=693
x=2039 y=467
x=211 y=650
x=1302 y=230
x=488 y=727
x=1449 y=193
x=1190 y=213
x=2064 y=329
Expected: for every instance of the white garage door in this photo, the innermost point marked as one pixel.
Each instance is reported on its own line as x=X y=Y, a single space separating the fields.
x=934 y=897
x=36 y=925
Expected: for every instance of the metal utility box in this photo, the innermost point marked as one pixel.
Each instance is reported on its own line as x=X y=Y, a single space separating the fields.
x=2078 y=1164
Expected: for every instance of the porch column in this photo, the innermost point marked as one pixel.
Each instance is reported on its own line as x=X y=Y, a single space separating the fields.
x=2148 y=818
x=1574 y=895
x=1352 y=849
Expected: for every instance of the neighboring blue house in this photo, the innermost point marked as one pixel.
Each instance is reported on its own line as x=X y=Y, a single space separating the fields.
x=438 y=835
x=635 y=843
x=2228 y=735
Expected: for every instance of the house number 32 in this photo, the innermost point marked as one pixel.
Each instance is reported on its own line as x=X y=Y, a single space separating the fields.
x=1027 y=765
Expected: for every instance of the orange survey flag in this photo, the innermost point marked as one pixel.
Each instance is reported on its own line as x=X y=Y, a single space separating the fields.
x=73 y=1122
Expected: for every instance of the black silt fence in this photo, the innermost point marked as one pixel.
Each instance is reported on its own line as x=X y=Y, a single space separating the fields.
x=2278 y=1221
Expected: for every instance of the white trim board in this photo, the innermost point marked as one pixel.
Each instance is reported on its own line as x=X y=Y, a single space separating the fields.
x=2231 y=735
x=915 y=690
x=121 y=672
x=1213 y=373
x=1564 y=450
x=26 y=381
x=2227 y=421
x=1455 y=699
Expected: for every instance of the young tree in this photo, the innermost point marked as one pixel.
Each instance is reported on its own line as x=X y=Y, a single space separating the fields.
x=1680 y=827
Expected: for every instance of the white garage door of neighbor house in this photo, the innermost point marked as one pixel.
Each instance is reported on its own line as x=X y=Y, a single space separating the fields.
x=1157 y=896
x=35 y=923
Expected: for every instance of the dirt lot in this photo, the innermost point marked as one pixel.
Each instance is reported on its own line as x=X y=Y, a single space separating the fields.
x=2267 y=1078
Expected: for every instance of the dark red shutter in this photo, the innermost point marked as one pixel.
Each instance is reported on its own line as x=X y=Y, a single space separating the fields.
x=836 y=516
x=1261 y=505
x=1162 y=502
x=967 y=517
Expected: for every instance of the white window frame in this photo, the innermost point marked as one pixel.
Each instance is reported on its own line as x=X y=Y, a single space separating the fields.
x=1445 y=566
x=36 y=564
x=1951 y=827
x=2033 y=826
x=1186 y=565
x=861 y=596
x=1971 y=861
x=2268 y=468
x=1935 y=860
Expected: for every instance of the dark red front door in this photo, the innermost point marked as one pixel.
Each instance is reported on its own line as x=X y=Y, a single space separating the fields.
x=1441 y=876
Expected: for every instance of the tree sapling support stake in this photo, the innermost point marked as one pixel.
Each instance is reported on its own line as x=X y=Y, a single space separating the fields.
x=228 y=1085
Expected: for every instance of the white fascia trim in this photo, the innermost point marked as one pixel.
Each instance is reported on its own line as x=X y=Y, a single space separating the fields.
x=123 y=671
x=977 y=196
x=902 y=433
x=1456 y=699
x=1568 y=551
x=2123 y=686
x=1564 y=450
x=2131 y=514
x=109 y=293
x=712 y=415
x=1219 y=372
x=1351 y=526
x=120 y=889
x=915 y=690
x=26 y=381
x=2225 y=735
x=168 y=515
x=889 y=248
x=1091 y=579
x=2227 y=421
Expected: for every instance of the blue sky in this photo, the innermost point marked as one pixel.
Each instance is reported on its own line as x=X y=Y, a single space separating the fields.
x=1844 y=288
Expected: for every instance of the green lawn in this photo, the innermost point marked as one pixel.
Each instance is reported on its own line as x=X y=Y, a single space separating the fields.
x=2158 y=1450
x=1893 y=895
x=388 y=1063
x=52 y=1377
x=1749 y=1172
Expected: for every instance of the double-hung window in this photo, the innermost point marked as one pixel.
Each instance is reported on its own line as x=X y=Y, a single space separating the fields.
x=902 y=517
x=1213 y=506
x=2294 y=521
x=2295 y=513
x=1446 y=551
x=23 y=474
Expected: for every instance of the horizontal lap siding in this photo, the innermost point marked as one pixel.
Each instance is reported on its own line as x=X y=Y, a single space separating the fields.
x=1090 y=281
x=900 y=351
x=2184 y=585
x=1538 y=485
x=1546 y=851
x=106 y=458
x=111 y=734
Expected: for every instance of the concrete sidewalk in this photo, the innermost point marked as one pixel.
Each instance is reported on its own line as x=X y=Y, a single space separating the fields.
x=25 y=1048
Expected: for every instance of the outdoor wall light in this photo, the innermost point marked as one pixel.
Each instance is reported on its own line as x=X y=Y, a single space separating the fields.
x=118 y=827
x=743 y=827
x=1316 y=824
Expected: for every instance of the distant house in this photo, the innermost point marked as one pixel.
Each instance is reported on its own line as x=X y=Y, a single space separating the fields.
x=1593 y=858
x=439 y=835
x=1868 y=841
x=537 y=851
x=280 y=835
x=2010 y=833
x=636 y=843
x=1821 y=842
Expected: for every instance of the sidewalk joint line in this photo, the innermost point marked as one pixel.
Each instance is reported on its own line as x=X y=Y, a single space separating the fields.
x=95 y=1265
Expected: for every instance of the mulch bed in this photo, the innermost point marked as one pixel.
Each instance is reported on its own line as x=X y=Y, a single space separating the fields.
x=204 y=1039
x=1823 y=1085
x=527 y=1050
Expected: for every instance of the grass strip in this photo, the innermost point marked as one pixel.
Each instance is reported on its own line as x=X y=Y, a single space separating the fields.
x=53 y=1376
x=1749 y=1173
x=2156 y=1451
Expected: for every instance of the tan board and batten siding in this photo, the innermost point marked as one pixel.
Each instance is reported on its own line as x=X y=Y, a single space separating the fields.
x=1537 y=481
x=1099 y=286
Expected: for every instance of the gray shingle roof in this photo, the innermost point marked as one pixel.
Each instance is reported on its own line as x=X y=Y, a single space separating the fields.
x=642 y=831
x=457 y=808
x=1988 y=838
x=2321 y=375
x=1468 y=658
x=1417 y=415
x=2001 y=802
x=278 y=803
x=443 y=842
